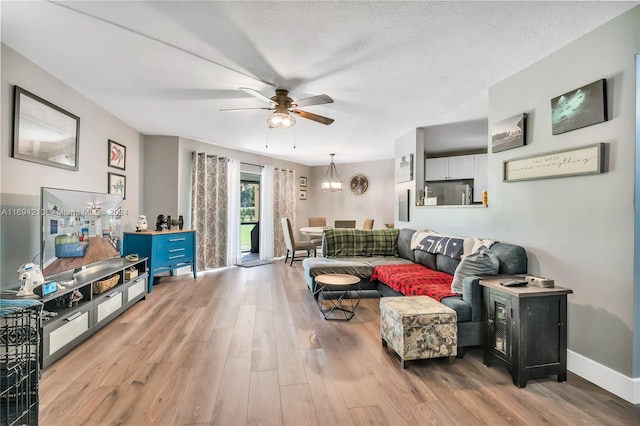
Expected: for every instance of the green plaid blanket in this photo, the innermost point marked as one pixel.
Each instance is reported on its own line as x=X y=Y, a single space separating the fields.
x=360 y=242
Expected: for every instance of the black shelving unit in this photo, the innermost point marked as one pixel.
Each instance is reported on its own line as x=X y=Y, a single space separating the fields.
x=526 y=329
x=19 y=361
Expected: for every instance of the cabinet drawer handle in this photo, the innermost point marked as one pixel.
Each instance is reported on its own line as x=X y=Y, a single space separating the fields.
x=175 y=250
x=113 y=293
x=74 y=316
x=138 y=280
x=173 y=240
x=176 y=257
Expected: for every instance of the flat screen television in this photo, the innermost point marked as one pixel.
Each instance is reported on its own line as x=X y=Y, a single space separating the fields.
x=78 y=228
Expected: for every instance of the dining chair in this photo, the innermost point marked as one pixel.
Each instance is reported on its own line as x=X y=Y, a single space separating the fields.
x=292 y=246
x=345 y=224
x=317 y=221
x=368 y=224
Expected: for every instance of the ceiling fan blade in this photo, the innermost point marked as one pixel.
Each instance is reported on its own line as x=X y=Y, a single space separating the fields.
x=244 y=109
x=314 y=100
x=314 y=117
x=257 y=94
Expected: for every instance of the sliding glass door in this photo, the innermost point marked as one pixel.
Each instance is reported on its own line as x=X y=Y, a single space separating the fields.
x=249 y=212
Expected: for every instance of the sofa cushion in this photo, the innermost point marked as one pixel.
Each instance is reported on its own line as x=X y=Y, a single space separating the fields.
x=404 y=244
x=446 y=264
x=513 y=258
x=414 y=280
x=359 y=266
x=425 y=258
x=480 y=263
x=360 y=242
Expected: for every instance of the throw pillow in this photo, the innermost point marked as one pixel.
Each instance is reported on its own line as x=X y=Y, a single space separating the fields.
x=482 y=262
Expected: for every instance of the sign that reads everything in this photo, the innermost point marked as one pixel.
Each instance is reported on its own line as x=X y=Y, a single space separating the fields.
x=578 y=161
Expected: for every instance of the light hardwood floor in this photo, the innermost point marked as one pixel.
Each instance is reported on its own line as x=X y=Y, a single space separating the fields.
x=248 y=346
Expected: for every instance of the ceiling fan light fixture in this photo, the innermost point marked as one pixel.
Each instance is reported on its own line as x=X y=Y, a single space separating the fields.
x=332 y=182
x=281 y=120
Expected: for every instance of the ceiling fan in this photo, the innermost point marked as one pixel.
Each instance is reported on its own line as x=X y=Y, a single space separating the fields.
x=284 y=107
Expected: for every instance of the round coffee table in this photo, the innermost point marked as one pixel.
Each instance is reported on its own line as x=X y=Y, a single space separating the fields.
x=337 y=289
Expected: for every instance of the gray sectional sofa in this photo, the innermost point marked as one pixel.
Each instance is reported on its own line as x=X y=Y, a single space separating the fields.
x=357 y=252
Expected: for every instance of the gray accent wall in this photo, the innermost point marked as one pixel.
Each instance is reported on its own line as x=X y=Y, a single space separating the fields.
x=20 y=181
x=576 y=230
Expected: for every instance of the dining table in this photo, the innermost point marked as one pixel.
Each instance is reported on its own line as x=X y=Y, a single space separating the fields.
x=313 y=231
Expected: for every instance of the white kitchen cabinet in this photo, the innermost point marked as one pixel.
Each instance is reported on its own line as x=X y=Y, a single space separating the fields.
x=449 y=168
x=460 y=167
x=436 y=168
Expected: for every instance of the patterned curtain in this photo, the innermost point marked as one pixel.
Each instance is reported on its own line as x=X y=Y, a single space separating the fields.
x=209 y=202
x=284 y=205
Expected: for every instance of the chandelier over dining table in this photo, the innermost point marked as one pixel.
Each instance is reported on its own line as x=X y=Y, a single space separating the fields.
x=331 y=181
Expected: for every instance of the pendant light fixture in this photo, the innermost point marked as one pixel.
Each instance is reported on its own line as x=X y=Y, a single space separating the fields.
x=332 y=182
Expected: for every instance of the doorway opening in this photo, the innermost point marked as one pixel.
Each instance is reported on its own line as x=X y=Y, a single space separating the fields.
x=249 y=216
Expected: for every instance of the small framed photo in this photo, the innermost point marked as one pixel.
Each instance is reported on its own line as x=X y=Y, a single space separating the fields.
x=118 y=184
x=303 y=194
x=117 y=155
x=303 y=181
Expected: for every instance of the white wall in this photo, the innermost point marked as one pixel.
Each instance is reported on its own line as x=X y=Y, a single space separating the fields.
x=577 y=230
x=377 y=203
x=21 y=180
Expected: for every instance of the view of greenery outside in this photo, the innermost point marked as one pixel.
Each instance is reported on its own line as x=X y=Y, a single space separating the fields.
x=249 y=212
x=245 y=237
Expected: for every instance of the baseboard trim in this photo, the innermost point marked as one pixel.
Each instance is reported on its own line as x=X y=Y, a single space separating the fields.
x=617 y=383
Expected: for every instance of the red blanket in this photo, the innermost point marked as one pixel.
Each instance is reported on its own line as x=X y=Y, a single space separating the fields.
x=415 y=280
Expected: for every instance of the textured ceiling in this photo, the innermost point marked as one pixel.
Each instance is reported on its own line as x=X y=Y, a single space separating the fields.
x=168 y=67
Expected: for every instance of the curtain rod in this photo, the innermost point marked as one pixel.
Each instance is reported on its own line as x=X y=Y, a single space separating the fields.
x=251 y=164
x=210 y=155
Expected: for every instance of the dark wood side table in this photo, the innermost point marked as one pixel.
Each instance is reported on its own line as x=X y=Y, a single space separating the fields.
x=526 y=329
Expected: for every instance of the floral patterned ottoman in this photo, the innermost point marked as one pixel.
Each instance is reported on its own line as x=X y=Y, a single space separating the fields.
x=418 y=327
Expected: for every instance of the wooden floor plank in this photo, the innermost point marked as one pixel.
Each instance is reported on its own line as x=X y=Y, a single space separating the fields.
x=297 y=405
x=327 y=398
x=370 y=415
x=290 y=367
x=264 y=354
x=233 y=396
x=264 y=399
x=248 y=346
x=242 y=339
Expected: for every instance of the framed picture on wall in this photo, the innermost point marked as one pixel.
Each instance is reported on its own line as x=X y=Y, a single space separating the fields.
x=303 y=181
x=303 y=194
x=43 y=132
x=580 y=107
x=404 y=168
x=509 y=133
x=403 y=205
x=117 y=155
x=118 y=184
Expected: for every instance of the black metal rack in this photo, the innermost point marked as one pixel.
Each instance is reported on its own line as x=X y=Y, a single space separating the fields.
x=19 y=361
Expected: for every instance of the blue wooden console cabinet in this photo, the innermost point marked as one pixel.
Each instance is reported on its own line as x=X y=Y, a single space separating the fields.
x=166 y=250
